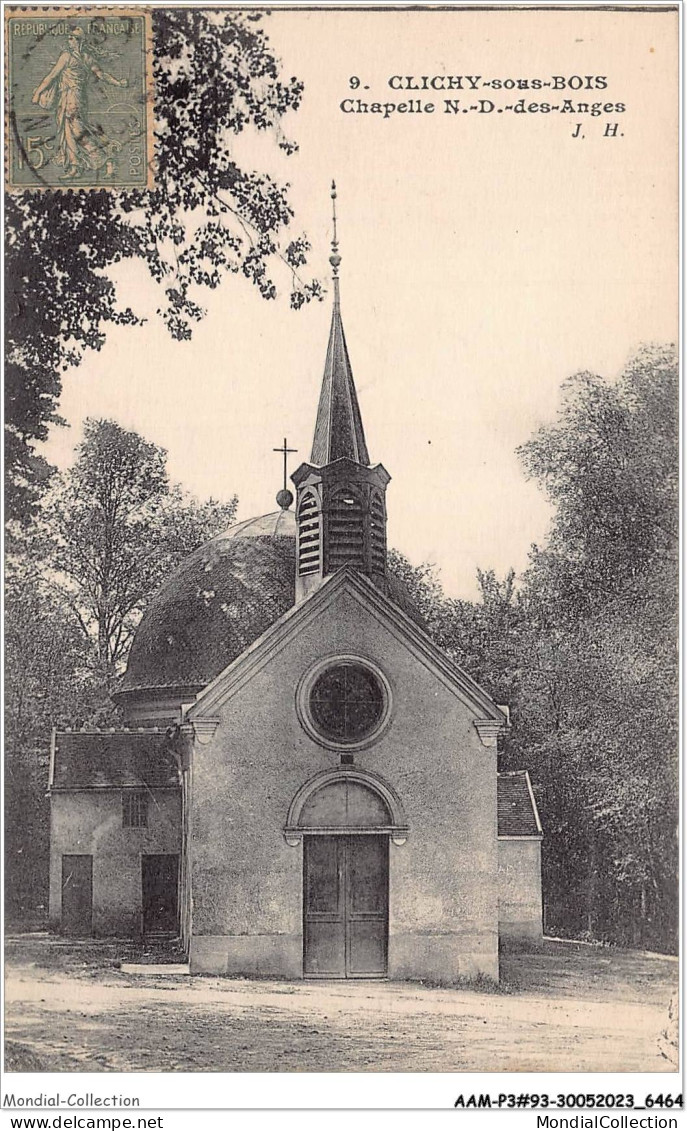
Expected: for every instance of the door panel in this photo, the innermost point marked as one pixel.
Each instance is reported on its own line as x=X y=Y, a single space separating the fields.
x=77 y=895
x=367 y=948
x=367 y=891
x=323 y=877
x=345 y=905
x=367 y=888
x=324 y=934
x=159 y=885
x=325 y=949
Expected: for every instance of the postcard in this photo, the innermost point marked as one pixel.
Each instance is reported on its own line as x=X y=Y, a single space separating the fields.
x=341 y=507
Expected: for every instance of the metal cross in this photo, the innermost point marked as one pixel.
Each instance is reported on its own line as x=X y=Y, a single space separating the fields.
x=285 y=452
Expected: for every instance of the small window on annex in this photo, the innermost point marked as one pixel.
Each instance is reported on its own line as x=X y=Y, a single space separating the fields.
x=135 y=809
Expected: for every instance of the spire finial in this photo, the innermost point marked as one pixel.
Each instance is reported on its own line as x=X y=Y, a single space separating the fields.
x=339 y=428
x=334 y=258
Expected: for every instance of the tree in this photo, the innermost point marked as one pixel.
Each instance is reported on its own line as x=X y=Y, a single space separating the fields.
x=78 y=578
x=112 y=529
x=215 y=75
x=52 y=678
x=422 y=585
x=482 y=636
x=582 y=648
x=610 y=467
x=596 y=698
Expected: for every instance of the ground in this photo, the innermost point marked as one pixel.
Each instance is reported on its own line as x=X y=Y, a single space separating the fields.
x=71 y=1008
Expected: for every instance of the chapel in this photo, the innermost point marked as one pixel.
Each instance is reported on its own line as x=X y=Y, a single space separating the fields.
x=305 y=785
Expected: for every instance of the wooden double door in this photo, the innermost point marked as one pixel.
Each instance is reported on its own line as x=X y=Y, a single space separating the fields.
x=346 y=906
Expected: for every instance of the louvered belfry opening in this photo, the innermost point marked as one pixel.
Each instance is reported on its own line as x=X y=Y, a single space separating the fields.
x=377 y=532
x=309 y=535
x=345 y=542
x=341 y=512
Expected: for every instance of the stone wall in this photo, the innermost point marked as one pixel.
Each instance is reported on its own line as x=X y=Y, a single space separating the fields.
x=89 y=822
x=520 y=897
x=247 y=882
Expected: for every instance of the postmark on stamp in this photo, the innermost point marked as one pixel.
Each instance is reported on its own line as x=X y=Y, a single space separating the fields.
x=79 y=108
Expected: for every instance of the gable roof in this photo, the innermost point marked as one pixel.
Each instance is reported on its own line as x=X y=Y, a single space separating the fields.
x=376 y=603
x=517 y=809
x=102 y=759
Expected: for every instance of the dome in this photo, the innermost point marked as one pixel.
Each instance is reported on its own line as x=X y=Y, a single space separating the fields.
x=215 y=604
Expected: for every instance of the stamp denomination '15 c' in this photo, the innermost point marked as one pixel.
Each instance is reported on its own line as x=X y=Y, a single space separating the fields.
x=80 y=98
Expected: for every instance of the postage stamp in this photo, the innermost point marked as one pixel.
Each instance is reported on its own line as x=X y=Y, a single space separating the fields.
x=79 y=98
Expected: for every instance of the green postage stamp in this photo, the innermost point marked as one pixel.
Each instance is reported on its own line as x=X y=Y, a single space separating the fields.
x=79 y=108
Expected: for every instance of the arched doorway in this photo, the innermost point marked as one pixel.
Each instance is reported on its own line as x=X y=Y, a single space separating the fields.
x=345 y=819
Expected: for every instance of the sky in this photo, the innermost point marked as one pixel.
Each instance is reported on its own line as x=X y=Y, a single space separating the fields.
x=485 y=258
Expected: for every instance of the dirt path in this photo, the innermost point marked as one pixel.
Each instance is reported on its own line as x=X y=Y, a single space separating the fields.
x=69 y=1008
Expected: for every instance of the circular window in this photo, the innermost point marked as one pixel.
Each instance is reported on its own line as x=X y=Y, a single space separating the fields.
x=344 y=702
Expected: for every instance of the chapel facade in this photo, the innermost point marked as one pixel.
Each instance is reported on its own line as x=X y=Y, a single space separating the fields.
x=305 y=785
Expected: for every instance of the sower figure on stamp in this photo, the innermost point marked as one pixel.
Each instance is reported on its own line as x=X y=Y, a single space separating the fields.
x=65 y=89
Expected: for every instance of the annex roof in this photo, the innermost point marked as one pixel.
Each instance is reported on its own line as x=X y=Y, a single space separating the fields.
x=114 y=759
x=516 y=806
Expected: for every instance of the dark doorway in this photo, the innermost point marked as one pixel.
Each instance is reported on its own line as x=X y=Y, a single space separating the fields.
x=77 y=895
x=346 y=900
x=159 y=881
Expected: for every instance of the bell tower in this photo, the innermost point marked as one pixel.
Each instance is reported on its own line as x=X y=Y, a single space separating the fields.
x=340 y=497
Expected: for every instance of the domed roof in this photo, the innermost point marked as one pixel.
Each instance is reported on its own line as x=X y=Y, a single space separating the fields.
x=216 y=603
x=278 y=524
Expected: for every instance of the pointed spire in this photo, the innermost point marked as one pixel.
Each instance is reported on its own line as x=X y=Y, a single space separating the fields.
x=339 y=428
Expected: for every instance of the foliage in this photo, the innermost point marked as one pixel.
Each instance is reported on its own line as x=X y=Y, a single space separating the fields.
x=51 y=671
x=113 y=529
x=480 y=636
x=109 y=531
x=215 y=76
x=52 y=678
x=610 y=466
x=597 y=688
x=583 y=649
x=422 y=585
